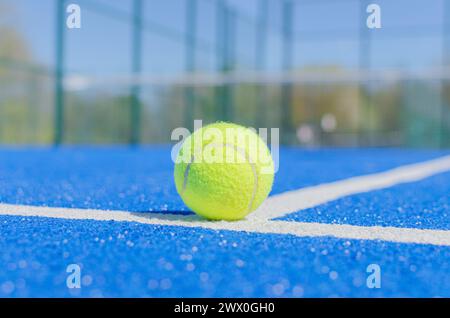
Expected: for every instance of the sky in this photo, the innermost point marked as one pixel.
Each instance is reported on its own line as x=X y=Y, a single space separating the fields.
x=326 y=32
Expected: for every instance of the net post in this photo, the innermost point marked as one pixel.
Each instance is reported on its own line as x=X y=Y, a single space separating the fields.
x=135 y=107
x=287 y=55
x=191 y=31
x=260 y=60
x=58 y=136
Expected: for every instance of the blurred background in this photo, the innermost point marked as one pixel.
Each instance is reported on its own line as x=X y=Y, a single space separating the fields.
x=137 y=69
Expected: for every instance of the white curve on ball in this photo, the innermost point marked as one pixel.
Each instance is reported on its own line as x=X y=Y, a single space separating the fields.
x=243 y=153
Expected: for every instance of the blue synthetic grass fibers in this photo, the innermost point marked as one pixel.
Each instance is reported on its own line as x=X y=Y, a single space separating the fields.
x=139 y=260
x=141 y=179
x=423 y=205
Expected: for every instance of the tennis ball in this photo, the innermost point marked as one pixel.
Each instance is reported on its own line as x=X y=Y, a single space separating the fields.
x=224 y=171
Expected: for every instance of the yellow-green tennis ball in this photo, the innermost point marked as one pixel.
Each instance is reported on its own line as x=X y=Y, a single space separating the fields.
x=224 y=171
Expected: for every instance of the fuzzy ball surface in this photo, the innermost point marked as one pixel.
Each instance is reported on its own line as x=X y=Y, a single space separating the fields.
x=224 y=171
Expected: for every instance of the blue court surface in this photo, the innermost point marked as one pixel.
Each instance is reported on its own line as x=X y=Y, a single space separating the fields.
x=399 y=221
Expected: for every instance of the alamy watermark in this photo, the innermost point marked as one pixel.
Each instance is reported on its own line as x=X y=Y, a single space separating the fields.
x=374 y=19
x=73 y=280
x=73 y=20
x=231 y=145
x=374 y=278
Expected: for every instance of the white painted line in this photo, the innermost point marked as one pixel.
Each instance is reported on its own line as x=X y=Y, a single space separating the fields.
x=279 y=205
x=292 y=201
x=392 y=234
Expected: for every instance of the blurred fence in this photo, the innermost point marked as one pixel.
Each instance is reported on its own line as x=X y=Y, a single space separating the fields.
x=137 y=69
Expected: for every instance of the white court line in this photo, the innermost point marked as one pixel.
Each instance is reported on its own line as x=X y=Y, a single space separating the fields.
x=279 y=205
x=400 y=235
x=293 y=201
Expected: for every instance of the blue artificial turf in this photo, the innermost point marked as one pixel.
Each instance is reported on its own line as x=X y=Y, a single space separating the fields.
x=137 y=260
x=424 y=204
x=141 y=179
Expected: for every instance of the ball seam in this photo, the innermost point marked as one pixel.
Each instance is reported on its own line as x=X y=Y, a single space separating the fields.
x=243 y=152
